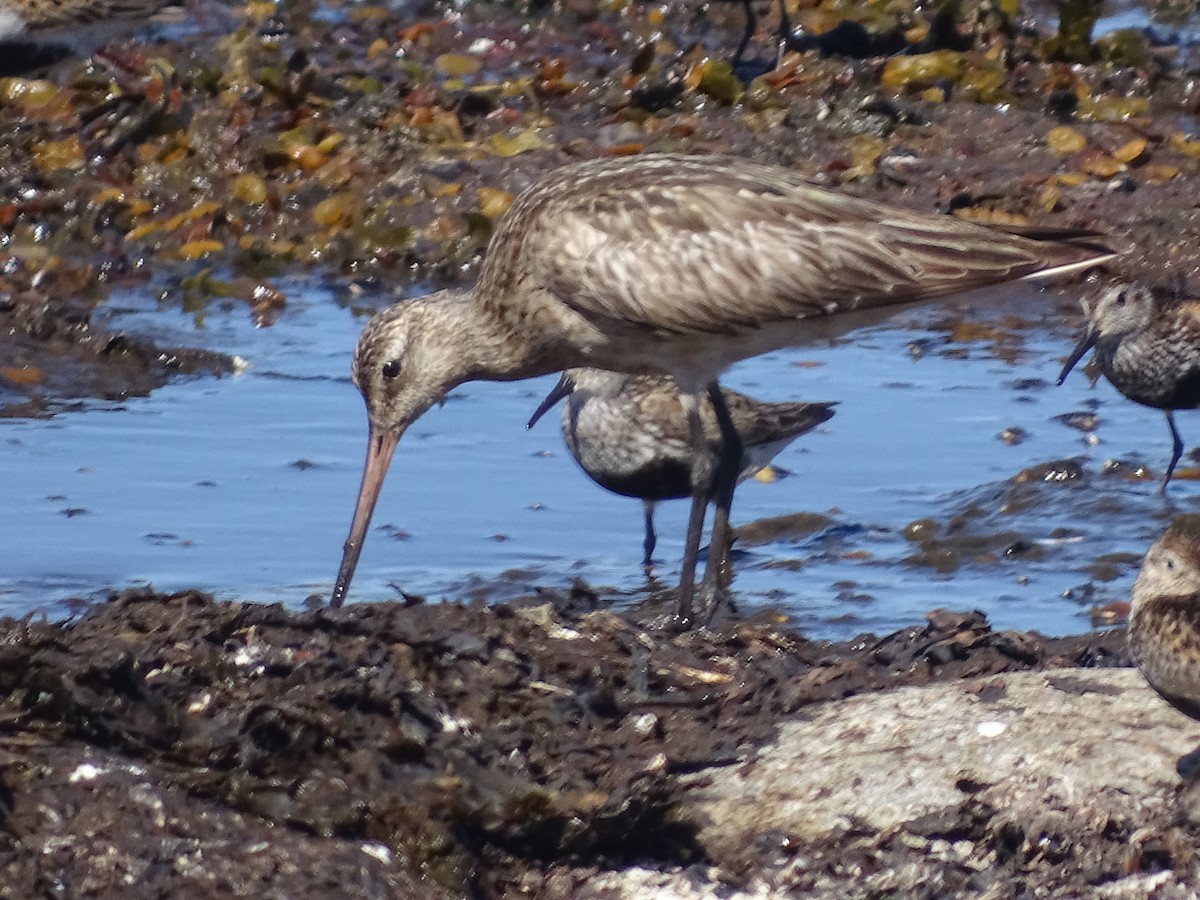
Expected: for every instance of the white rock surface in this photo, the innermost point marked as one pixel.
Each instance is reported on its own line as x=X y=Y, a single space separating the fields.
x=1060 y=738
x=1070 y=748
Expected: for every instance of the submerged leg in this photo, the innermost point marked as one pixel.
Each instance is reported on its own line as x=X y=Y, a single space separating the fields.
x=701 y=489
x=751 y=25
x=785 y=33
x=1176 y=451
x=651 y=538
x=729 y=464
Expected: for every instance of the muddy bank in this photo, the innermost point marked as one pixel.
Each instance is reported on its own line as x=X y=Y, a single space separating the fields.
x=440 y=751
x=53 y=352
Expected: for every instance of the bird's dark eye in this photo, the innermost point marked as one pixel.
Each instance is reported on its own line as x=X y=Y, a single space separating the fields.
x=391 y=369
x=1121 y=299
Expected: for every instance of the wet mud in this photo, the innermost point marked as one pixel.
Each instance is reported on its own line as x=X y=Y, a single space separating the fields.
x=53 y=353
x=171 y=745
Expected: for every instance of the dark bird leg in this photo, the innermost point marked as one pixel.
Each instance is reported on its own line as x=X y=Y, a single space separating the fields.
x=729 y=465
x=651 y=537
x=747 y=33
x=1176 y=451
x=702 y=481
x=785 y=33
x=782 y=36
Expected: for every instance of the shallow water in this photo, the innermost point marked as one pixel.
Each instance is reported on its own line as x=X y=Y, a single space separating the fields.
x=1163 y=24
x=245 y=485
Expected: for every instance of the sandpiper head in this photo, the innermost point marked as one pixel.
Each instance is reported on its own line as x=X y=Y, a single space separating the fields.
x=1119 y=310
x=403 y=364
x=1171 y=567
x=582 y=383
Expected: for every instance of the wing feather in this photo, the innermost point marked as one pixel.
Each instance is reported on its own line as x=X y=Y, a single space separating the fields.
x=704 y=245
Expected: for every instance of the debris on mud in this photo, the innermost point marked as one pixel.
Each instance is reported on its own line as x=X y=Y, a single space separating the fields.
x=468 y=748
x=52 y=352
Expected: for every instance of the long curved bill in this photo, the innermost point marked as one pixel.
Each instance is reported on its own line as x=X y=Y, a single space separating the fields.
x=562 y=389
x=1085 y=344
x=380 y=447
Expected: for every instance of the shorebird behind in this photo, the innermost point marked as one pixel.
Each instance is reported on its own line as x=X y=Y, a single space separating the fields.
x=1164 y=622
x=670 y=265
x=630 y=435
x=1147 y=341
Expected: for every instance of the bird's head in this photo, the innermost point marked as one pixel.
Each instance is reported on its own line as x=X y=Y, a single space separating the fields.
x=404 y=363
x=1171 y=567
x=1119 y=310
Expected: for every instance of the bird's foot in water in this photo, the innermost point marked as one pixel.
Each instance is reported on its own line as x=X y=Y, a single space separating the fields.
x=707 y=600
x=674 y=623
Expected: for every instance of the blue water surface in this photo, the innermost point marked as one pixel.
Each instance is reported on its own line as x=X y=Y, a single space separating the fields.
x=244 y=485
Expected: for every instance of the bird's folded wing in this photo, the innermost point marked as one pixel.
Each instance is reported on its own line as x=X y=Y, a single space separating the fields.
x=742 y=253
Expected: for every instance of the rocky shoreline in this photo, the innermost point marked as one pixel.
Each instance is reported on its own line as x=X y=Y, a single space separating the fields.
x=175 y=746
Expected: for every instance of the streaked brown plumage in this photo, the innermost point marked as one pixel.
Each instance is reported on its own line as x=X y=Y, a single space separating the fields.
x=1164 y=620
x=629 y=434
x=1147 y=341
x=669 y=265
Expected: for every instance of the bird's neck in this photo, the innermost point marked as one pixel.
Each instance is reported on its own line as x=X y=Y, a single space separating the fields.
x=487 y=346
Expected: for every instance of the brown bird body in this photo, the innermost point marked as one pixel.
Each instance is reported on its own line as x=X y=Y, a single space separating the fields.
x=1164 y=620
x=630 y=435
x=1147 y=341
x=670 y=265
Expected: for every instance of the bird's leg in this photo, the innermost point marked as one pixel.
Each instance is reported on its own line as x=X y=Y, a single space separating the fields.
x=651 y=537
x=729 y=464
x=701 y=490
x=751 y=25
x=785 y=33
x=1176 y=451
